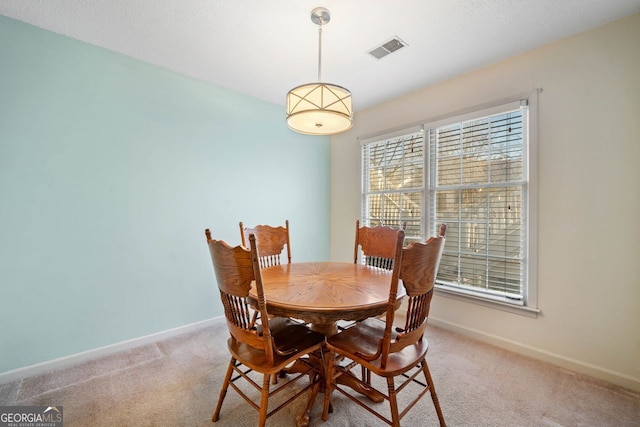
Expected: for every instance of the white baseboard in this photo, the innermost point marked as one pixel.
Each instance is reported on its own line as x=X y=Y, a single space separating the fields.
x=62 y=362
x=613 y=377
x=536 y=353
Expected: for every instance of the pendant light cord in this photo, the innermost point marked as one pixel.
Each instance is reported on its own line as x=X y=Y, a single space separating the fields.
x=319 y=51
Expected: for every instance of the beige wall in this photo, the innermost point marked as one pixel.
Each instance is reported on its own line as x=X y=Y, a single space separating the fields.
x=588 y=197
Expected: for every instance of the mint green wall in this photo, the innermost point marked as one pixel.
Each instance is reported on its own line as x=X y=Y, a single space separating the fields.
x=110 y=169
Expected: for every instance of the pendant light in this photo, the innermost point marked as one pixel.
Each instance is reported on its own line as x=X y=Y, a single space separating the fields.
x=319 y=108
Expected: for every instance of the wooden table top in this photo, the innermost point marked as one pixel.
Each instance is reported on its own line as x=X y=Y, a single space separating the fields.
x=325 y=292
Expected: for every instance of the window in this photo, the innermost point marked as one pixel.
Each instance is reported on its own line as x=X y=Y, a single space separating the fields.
x=473 y=172
x=394 y=183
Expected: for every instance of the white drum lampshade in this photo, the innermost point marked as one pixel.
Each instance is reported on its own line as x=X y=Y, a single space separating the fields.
x=319 y=108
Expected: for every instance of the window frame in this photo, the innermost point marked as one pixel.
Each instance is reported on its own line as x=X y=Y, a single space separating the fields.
x=528 y=306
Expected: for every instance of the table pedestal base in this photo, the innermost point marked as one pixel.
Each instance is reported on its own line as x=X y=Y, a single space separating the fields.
x=326 y=329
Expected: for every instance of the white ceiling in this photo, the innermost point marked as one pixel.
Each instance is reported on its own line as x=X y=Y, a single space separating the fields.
x=263 y=48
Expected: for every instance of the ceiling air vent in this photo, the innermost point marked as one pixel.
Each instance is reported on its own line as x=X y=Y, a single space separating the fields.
x=387 y=47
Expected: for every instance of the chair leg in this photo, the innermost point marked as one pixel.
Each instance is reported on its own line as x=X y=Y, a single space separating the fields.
x=366 y=375
x=264 y=400
x=223 y=391
x=303 y=419
x=329 y=362
x=393 y=401
x=432 y=389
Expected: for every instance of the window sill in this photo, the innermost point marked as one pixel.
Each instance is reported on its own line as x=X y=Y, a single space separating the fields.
x=487 y=302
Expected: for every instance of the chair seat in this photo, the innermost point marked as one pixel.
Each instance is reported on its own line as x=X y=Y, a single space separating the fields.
x=277 y=323
x=364 y=337
x=286 y=337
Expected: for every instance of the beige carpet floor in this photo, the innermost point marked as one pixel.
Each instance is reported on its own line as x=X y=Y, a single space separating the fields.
x=176 y=382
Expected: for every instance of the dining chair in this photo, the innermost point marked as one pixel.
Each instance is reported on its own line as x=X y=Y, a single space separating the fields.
x=374 y=246
x=266 y=347
x=271 y=242
x=393 y=352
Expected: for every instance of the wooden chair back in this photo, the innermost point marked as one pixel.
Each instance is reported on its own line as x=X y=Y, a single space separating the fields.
x=271 y=242
x=420 y=262
x=376 y=245
x=417 y=270
x=236 y=268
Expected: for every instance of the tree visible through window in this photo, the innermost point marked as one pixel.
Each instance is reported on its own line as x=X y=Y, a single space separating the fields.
x=394 y=183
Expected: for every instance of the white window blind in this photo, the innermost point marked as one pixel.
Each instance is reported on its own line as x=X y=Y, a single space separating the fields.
x=478 y=187
x=393 y=183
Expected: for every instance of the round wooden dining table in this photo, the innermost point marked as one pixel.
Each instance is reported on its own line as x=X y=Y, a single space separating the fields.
x=322 y=293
